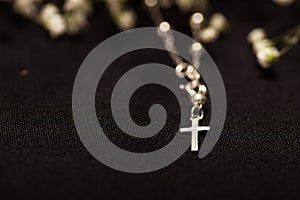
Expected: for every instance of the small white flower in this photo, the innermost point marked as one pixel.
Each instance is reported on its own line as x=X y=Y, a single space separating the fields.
x=27 y=8
x=219 y=22
x=56 y=25
x=268 y=56
x=48 y=11
x=256 y=35
x=76 y=21
x=209 y=34
x=126 y=20
x=52 y=20
x=83 y=6
x=262 y=44
x=184 y=5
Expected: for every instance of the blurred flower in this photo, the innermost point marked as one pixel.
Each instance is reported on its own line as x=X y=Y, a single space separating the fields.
x=52 y=20
x=126 y=20
x=75 y=22
x=284 y=2
x=76 y=14
x=165 y=3
x=209 y=34
x=219 y=22
x=184 y=5
x=83 y=6
x=261 y=44
x=264 y=48
x=267 y=56
x=27 y=8
x=256 y=35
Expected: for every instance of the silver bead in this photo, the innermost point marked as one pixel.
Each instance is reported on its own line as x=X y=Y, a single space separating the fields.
x=198 y=98
x=195 y=83
x=202 y=89
x=181 y=69
x=190 y=87
x=192 y=73
x=196 y=19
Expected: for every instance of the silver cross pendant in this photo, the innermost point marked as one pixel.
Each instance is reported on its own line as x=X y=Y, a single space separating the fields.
x=194 y=129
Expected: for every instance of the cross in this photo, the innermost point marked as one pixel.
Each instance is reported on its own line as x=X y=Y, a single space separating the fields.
x=194 y=129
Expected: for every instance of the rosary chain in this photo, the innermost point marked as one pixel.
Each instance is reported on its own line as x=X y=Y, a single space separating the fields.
x=194 y=88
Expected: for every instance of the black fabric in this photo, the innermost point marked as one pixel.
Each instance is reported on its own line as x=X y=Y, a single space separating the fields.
x=41 y=154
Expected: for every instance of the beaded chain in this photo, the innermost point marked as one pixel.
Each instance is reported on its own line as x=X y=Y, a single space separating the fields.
x=196 y=90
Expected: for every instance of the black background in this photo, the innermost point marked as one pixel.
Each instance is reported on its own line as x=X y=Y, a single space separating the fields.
x=41 y=155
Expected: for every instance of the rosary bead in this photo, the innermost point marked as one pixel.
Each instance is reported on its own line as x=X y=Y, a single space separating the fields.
x=192 y=73
x=164 y=26
x=196 y=46
x=181 y=69
x=191 y=86
x=198 y=98
x=190 y=90
x=195 y=83
x=202 y=89
x=197 y=18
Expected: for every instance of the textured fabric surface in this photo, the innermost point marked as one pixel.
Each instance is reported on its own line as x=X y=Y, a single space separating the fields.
x=257 y=156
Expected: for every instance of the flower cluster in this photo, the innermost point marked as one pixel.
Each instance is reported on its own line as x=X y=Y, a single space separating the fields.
x=195 y=89
x=204 y=28
x=73 y=16
x=51 y=19
x=217 y=24
x=123 y=16
x=211 y=26
x=264 y=48
x=76 y=14
x=27 y=8
x=58 y=21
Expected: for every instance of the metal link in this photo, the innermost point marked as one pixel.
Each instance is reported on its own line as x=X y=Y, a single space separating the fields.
x=199 y=108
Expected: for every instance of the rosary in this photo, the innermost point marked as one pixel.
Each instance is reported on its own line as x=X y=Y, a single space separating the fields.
x=196 y=90
x=205 y=27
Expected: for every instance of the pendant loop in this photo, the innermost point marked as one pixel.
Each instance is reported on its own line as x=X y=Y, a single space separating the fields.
x=199 y=108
